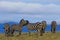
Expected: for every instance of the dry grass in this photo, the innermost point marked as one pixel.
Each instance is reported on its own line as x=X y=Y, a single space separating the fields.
x=25 y=36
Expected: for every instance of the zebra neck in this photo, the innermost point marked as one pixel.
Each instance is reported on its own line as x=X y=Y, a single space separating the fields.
x=21 y=24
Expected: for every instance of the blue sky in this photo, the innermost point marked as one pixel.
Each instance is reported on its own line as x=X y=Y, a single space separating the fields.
x=32 y=10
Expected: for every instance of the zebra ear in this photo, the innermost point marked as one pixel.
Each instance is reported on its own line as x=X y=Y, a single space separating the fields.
x=27 y=21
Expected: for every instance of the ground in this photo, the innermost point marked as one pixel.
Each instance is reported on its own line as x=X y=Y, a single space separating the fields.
x=33 y=36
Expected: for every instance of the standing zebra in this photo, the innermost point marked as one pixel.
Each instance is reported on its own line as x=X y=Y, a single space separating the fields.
x=18 y=27
x=35 y=26
x=7 y=29
x=53 y=26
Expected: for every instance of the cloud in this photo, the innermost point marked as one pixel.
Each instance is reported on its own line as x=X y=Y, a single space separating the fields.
x=15 y=11
x=33 y=0
x=28 y=7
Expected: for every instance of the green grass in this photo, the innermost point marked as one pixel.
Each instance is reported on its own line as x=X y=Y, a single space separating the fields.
x=34 y=36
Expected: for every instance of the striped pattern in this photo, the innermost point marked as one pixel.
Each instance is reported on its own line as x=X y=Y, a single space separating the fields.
x=35 y=26
x=44 y=26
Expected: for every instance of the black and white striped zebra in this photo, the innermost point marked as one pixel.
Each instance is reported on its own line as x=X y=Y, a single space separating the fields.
x=35 y=26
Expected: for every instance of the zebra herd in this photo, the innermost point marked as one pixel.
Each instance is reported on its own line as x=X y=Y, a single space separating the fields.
x=38 y=26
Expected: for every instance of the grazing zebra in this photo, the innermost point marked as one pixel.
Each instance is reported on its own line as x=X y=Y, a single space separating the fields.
x=53 y=26
x=35 y=26
x=44 y=26
x=18 y=26
x=7 y=29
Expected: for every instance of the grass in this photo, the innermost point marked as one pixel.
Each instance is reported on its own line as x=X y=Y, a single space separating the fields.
x=25 y=36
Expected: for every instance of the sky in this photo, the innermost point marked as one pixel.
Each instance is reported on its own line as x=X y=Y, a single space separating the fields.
x=32 y=10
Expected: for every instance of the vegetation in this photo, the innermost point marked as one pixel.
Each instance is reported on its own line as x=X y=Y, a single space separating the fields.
x=33 y=36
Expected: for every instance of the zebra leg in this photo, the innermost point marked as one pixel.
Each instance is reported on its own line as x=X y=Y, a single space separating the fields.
x=12 y=31
x=9 y=33
x=29 y=32
x=19 y=32
x=37 y=32
x=53 y=30
x=6 y=33
x=41 y=32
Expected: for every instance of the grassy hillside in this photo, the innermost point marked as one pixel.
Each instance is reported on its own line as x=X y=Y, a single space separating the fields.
x=25 y=36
